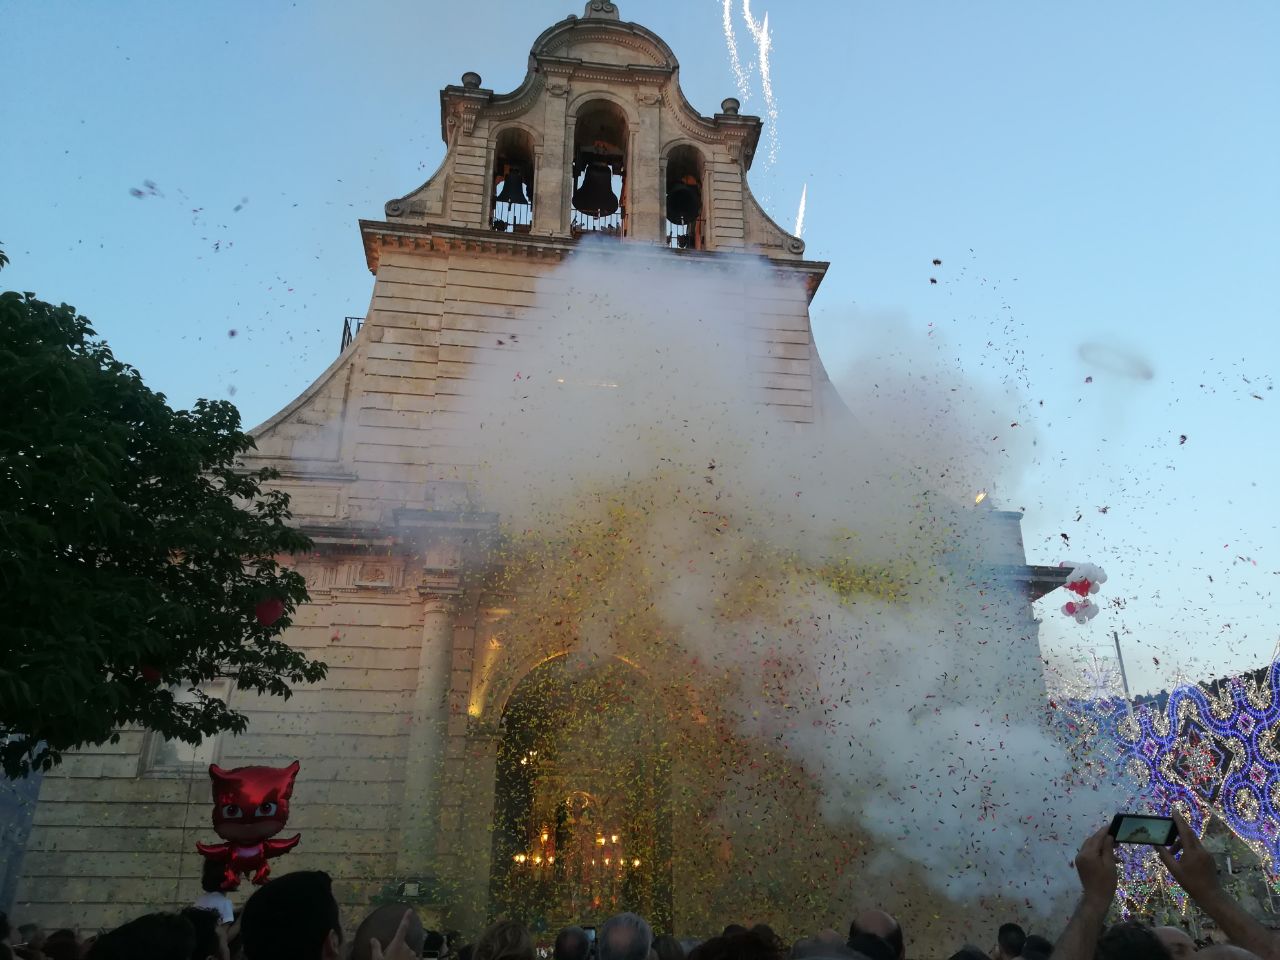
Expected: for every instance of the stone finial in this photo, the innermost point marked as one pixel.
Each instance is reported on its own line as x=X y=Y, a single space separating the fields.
x=471 y=80
x=601 y=9
x=730 y=106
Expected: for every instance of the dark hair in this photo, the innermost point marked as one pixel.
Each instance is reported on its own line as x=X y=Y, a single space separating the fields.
x=893 y=938
x=211 y=875
x=205 y=924
x=158 y=936
x=4 y=925
x=62 y=944
x=571 y=944
x=668 y=947
x=969 y=952
x=733 y=929
x=1011 y=939
x=1036 y=948
x=871 y=946
x=759 y=943
x=290 y=917
x=1130 y=941
x=504 y=940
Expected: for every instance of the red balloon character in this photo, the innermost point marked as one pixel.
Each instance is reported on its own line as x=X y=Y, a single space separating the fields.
x=250 y=806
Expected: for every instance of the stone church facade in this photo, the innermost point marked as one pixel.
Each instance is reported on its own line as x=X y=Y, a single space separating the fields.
x=398 y=744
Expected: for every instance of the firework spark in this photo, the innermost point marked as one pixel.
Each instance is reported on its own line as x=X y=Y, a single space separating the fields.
x=804 y=194
x=759 y=30
x=735 y=63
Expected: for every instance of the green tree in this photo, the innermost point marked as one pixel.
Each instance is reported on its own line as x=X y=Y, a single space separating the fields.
x=136 y=555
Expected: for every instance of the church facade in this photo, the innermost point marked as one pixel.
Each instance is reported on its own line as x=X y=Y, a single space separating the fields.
x=401 y=746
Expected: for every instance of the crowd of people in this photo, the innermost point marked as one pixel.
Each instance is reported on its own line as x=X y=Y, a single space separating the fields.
x=296 y=917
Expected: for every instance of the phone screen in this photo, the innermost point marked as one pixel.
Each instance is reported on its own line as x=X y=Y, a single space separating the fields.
x=1144 y=828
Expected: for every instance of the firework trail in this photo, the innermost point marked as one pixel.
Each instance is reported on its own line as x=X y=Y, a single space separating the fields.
x=739 y=75
x=759 y=30
x=804 y=193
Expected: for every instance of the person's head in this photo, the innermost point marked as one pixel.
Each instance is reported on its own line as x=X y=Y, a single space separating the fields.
x=733 y=929
x=759 y=943
x=668 y=947
x=211 y=876
x=1130 y=941
x=625 y=937
x=822 y=948
x=882 y=925
x=157 y=936
x=1176 y=941
x=1009 y=940
x=571 y=944
x=31 y=935
x=1036 y=947
x=505 y=940
x=62 y=944
x=211 y=935
x=293 y=917
x=969 y=952
x=870 y=946
x=381 y=925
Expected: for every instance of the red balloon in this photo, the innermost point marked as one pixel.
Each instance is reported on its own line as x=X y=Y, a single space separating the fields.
x=269 y=611
x=150 y=673
x=250 y=806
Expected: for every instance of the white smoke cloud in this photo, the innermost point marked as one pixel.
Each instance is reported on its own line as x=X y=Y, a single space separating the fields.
x=804 y=196
x=919 y=717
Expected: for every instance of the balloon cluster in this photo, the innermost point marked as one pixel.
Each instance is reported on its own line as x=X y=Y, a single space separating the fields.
x=1084 y=580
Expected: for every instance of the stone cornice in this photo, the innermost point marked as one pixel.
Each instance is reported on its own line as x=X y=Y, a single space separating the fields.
x=431 y=238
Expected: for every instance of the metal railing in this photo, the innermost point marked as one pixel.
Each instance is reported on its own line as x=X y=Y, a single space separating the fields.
x=511 y=217
x=614 y=225
x=686 y=236
x=350 y=327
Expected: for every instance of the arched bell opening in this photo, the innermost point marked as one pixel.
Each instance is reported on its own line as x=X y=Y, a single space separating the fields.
x=599 y=187
x=683 y=199
x=511 y=199
x=582 y=821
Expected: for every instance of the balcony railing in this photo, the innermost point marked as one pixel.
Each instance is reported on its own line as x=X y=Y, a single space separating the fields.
x=686 y=236
x=350 y=327
x=614 y=225
x=511 y=217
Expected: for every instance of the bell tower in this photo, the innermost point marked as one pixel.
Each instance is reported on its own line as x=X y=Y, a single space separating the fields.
x=599 y=139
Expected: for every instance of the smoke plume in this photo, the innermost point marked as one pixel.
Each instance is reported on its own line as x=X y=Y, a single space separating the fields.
x=837 y=576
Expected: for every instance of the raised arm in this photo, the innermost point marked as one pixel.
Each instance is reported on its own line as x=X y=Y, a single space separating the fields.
x=1196 y=871
x=1096 y=865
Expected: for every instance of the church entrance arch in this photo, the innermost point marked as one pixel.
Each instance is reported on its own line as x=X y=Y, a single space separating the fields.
x=582 y=819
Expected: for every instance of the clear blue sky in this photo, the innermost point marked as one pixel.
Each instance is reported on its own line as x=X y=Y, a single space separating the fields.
x=1090 y=173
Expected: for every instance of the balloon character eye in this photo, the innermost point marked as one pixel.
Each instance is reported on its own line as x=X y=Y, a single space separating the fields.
x=266 y=809
x=232 y=812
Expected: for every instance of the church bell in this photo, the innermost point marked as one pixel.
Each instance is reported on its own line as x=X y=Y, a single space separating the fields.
x=684 y=203
x=512 y=190
x=595 y=197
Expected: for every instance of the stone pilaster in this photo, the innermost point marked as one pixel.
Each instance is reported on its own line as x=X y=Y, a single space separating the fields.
x=423 y=762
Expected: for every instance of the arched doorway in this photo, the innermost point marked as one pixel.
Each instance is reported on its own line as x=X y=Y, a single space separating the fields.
x=582 y=798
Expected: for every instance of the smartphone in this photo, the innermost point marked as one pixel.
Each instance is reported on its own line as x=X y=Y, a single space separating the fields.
x=1144 y=828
